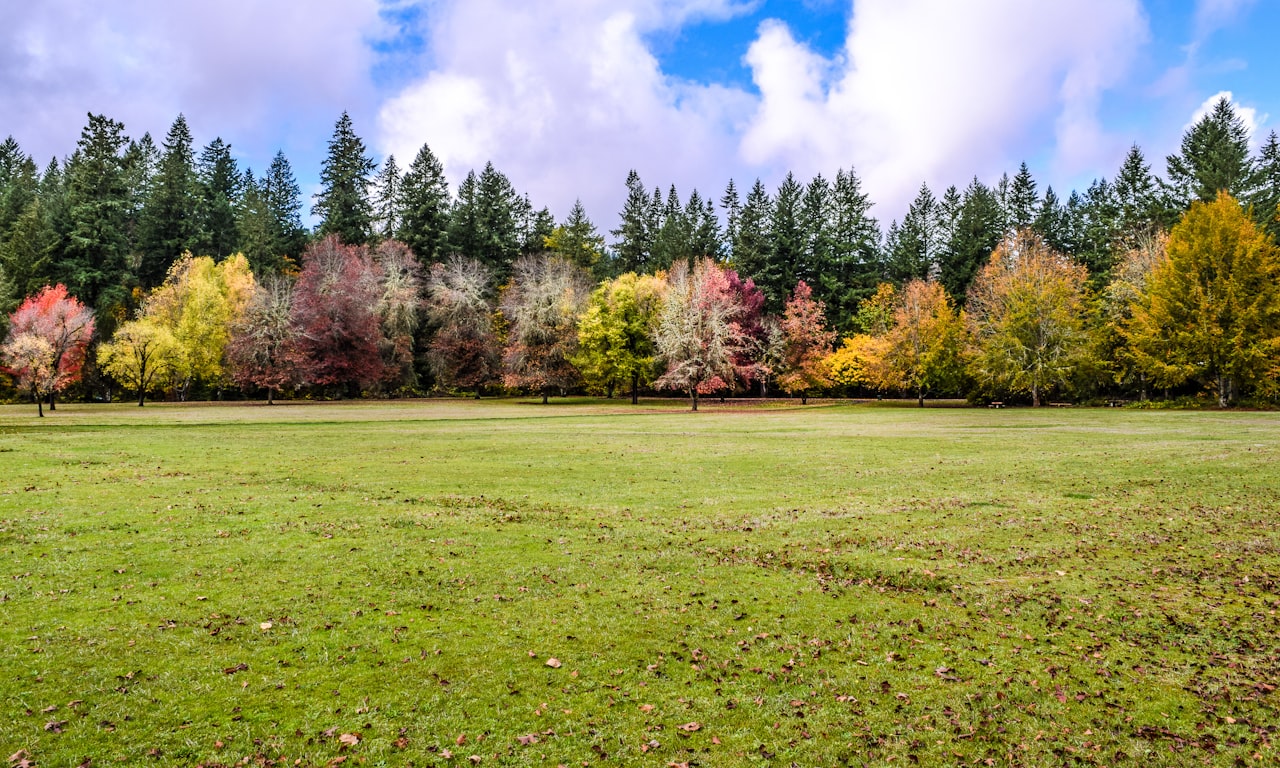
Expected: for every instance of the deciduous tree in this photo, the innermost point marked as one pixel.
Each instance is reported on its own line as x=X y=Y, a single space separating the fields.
x=261 y=350
x=335 y=316
x=806 y=343
x=65 y=326
x=1211 y=309
x=922 y=348
x=542 y=305
x=141 y=355
x=1026 y=312
x=463 y=352
x=616 y=332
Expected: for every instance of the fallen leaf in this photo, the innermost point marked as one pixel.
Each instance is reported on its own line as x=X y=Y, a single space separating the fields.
x=349 y=739
x=264 y=626
x=55 y=726
x=241 y=667
x=50 y=708
x=402 y=743
x=527 y=739
x=690 y=727
x=553 y=662
x=461 y=740
x=19 y=755
x=475 y=759
x=646 y=707
x=715 y=740
x=446 y=754
x=218 y=744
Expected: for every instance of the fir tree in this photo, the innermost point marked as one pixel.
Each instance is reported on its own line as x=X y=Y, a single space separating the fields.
x=1137 y=199
x=915 y=249
x=732 y=207
x=1021 y=202
x=1266 y=201
x=388 y=200
x=978 y=229
x=633 y=239
x=752 y=244
x=787 y=241
x=424 y=194
x=169 y=225
x=855 y=243
x=343 y=205
x=284 y=201
x=219 y=184
x=94 y=266
x=1214 y=157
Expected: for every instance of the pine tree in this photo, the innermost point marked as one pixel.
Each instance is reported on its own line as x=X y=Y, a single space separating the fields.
x=979 y=226
x=497 y=203
x=388 y=200
x=1214 y=157
x=1022 y=203
x=705 y=239
x=1137 y=198
x=1098 y=229
x=671 y=238
x=343 y=205
x=284 y=201
x=732 y=213
x=219 y=183
x=915 y=251
x=169 y=225
x=1266 y=201
x=819 y=253
x=578 y=242
x=141 y=163
x=633 y=239
x=787 y=241
x=257 y=227
x=752 y=244
x=94 y=266
x=858 y=266
x=424 y=194
x=1051 y=223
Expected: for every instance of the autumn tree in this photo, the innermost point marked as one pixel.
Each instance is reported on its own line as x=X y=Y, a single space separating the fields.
x=542 y=304
x=463 y=352
x=29 y=359
x=198 y=303
x=64 y=328
x=1211 y=309
x=700 y=337
x=400 y=287
x=1026 y=314
x=922 y=348
x=1116 y=303
x=859 y=362
x=140 y=355
x=616 y=332
x=260 y=352
x=335 y=316
x=807 y=344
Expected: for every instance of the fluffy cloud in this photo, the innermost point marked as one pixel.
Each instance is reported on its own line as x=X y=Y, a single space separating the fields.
x=241 y=68
x=566 y=97
x=935 y=90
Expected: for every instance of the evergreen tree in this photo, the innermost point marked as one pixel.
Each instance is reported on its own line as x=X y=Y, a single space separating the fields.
x=671 y=238
x=388 y=200
x=533 y=227
x=751 y=246
x=979 y=226
x=498 y=204
x=464 y=222
x=1021 y=201
x=787 y=245
x=1266 y=201
x=424 y=194
x=1051 y=223
x=818 y=253
x=169 y=225
x=25 y=252
x=94 y=266
x=219 y=184
x=1137 y=199
x=284 y=201
x=857 y=266
x=141 y=163
x=732 y=213
x=256 y=223
x=915 y=247
x=343 y=204
x=1098 y=228
x=578 y=242
x=633 y=239
x=19 y=185
x=1214 y=157
x=706 y=239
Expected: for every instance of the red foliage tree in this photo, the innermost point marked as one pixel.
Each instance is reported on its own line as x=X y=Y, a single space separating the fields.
x=464 y=350
x=807 y=342
x=261 y=351
x=62 y=322
x=336 y=325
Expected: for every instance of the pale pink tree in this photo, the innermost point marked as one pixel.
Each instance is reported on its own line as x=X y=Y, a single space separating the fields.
x=65 y=325
x=700 y=338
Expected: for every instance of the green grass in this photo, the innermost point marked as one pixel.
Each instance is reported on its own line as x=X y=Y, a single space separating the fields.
x=826 y=585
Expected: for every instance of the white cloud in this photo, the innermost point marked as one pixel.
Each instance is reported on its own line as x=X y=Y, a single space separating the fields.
x=565 y=96
x=935 y=90
x=234 y=67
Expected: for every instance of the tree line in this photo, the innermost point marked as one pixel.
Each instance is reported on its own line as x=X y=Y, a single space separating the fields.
x=1138 y=286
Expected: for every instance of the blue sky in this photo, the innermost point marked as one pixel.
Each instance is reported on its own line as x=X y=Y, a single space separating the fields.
x=565 y=96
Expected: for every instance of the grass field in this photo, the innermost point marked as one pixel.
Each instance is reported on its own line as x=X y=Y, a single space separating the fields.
x=502 y=583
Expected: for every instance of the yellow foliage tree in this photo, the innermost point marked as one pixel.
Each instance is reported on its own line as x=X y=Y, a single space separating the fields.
x=1211 y=308
x=198 y=303
x=922 y=348
x=141 y=355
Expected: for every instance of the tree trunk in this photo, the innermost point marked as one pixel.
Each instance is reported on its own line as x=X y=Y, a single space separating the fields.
x=142 y=396
x=39 y=406
x=477 y=391
x=270 y=392
x=609 y=389
x=694 y=392
x=635 y=388
x=804 y=397
x=1035 y=397
x=52 y=407
x=544 y=395
x=1224 y=391
x=920 y=396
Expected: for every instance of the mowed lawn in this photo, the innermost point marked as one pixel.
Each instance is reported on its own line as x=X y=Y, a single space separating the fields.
x=588 y=583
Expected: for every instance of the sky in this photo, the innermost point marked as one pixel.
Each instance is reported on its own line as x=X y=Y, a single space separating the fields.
x=566 y=96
